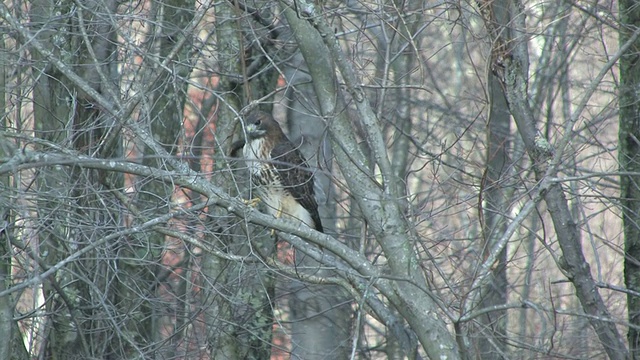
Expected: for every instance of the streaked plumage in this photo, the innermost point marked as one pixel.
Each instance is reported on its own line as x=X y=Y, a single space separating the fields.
x=279 y=173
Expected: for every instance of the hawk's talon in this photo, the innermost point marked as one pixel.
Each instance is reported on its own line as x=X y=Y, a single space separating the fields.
x=252 y=202
x=277 y=215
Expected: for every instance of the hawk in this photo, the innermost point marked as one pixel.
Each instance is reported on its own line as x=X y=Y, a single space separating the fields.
x=278 y=170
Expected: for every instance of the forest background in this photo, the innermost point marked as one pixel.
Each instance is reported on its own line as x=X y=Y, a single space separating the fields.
x=476 y=165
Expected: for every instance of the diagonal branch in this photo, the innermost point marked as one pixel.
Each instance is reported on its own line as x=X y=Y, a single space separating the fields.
x=509 y=61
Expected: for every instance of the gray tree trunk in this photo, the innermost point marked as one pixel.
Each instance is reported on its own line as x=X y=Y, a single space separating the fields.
x=629 y=157
x=6 y=218
x=381 y=209
x=490 y=341
x=492 y=326
x=320 y=314
x=394 y=109
x=218 y=312
x=11 y=343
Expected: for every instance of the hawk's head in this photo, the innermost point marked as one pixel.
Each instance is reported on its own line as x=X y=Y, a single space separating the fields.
x=260 y=124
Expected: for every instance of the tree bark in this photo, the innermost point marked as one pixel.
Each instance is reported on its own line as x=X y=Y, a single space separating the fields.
x=240 y=324
x=495 y=212
x=320 y=314
x=218 y=318
x=11 y=343
x=6 y=306
x=629 y=157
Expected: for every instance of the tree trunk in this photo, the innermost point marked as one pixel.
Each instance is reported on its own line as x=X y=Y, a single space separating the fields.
x=51 y=114
x=240 y=324
x=380 y=208
x=11 y=343
x=6 y=306
x=218 y=317
x=394 y=108
x=490 y=344
x=320 y=315
x=629 y=157
x=164 y=120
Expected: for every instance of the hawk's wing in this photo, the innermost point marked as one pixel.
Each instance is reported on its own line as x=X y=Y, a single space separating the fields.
x=235 y=147
x=296 y=178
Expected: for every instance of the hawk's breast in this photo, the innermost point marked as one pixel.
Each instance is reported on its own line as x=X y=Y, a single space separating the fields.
x=262 y=172
x=264 y=178
x=266 y=182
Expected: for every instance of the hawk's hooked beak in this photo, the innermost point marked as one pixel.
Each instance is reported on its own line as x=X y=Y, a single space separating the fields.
x=254 y=131
x=251 y=128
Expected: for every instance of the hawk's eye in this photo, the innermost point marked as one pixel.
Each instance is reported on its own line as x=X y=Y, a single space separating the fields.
x=257 y=123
